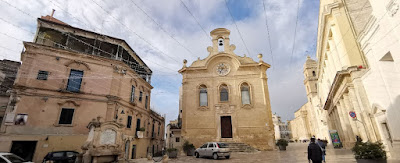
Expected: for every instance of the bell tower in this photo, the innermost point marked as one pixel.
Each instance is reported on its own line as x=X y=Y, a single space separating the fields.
x=310 y=77
x=220 y=40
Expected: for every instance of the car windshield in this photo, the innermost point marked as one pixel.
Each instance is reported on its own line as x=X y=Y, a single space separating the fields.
x=13 y=158
x=222 y=145
x=58 y=154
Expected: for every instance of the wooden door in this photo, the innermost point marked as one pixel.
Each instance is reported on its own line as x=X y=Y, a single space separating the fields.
x=226 y=127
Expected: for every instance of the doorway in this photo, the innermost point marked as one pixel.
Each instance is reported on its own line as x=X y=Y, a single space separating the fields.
x=133 y=155
x=226 y=127
x=24 y=149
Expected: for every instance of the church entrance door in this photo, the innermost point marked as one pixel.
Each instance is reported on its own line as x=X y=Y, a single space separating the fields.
x=226 y=127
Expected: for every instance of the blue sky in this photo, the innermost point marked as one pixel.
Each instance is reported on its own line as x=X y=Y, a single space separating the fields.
x=176 y=36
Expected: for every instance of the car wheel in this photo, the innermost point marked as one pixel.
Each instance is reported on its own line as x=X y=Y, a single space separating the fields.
x=227 y=157
x=197 y=155
x=215 y=156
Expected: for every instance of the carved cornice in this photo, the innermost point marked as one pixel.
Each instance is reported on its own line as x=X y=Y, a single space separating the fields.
x=370 y=28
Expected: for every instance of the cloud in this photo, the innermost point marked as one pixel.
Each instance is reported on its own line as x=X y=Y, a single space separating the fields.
x=164 y=54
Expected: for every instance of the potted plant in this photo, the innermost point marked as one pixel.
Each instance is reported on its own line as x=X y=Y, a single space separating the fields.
x=142 y=129
x=369 y=152
x=282 y=143
x=172 y=152
x=188 y=148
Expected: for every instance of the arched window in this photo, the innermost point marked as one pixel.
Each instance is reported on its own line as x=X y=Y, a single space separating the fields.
x=203 y=96
x=245 y=90
x=313 y=73
x=223 y=93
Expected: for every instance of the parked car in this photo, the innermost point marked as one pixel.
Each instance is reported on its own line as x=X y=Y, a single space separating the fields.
x=60 y=157
x=11 y=158
x=214 y=150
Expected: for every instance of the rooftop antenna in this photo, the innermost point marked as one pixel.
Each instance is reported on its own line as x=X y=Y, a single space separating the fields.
x=52 y=12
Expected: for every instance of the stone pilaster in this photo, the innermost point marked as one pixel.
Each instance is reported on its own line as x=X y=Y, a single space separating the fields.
x=356 y=106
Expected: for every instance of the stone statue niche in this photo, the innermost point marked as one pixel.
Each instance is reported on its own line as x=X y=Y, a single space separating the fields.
x=104 y=143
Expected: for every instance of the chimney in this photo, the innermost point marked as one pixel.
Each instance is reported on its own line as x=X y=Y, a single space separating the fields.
x=52 y=13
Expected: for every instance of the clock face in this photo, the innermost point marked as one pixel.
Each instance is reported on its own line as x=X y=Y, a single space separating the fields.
x=222 y=69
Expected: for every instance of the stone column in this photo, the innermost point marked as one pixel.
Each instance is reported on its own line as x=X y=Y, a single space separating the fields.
x=365 y=105
x=343 y=123
x=339 y=126
x=357 y=109
x=350 y=107
x=347 y=122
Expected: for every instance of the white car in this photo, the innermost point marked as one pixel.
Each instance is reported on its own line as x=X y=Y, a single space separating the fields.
x=11 y=158
x=213 y=149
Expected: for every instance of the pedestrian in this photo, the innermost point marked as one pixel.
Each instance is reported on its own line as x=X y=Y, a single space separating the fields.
x=322 y=145
x=358 y=139
x=314 y=152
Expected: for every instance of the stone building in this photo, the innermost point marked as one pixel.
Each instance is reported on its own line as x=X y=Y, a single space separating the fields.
x=357 y=49
x=225 y=97
x=8 y=73
x=71 y=77
x=300 y=125
x=379 y=40
x=173 y=135
x=310 y=119
x=281 y=128
x=340 y=66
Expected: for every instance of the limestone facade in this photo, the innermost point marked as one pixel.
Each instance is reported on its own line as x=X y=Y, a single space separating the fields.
x=357 y=70
x=340 y=65
x=300 y=125
x=310 y=119
x=379 y=40
x=68 y=78
x=173 y=135
x=225 y=97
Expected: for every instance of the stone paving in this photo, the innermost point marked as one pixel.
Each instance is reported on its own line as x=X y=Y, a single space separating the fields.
x=296 y=152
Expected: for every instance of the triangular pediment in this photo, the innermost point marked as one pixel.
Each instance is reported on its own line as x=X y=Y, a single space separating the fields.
x=387 y=57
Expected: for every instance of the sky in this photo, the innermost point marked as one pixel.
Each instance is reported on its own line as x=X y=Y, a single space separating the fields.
x=165 y=32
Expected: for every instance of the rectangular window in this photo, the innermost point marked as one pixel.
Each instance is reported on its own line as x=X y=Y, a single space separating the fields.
x=177 y=140
x=74 y=81
x=42 y=75
x=138 y=125
x=66 y=116
x=133 y=94
x=129 y=122
x=146 y=101
x=140 y=96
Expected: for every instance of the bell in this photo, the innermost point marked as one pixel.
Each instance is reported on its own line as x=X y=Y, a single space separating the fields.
x=220 y=44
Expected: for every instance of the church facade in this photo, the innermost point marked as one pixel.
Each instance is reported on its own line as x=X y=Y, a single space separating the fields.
x=225 y=97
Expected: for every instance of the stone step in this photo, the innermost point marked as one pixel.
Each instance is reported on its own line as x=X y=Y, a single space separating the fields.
x=240 y=147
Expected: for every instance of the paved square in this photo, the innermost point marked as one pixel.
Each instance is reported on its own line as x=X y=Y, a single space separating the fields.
x=296 y=152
